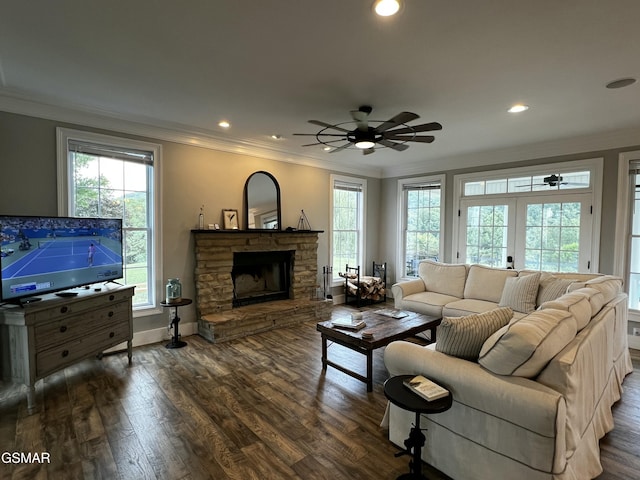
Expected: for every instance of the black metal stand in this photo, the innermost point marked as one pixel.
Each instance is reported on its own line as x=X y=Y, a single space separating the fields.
x=175 y=341
x=401 y=396
x=414 y=443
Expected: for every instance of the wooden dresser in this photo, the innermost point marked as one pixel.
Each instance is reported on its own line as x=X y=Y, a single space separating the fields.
x=40 y=338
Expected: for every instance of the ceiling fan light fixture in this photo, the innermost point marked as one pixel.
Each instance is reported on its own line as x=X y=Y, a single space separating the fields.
x=386 y=8
x=364 y=144
x=518 y=108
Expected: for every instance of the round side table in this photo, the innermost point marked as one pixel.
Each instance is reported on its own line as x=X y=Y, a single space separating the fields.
x=401 y=396
x=175 y=341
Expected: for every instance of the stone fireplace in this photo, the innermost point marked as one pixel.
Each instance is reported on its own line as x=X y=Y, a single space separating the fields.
x=248 y=281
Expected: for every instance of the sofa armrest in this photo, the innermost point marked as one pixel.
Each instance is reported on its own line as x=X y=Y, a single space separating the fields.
x=402 y=289
x=518 y=400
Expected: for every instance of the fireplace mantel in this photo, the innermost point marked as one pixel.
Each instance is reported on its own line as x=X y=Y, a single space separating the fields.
x=214 y=251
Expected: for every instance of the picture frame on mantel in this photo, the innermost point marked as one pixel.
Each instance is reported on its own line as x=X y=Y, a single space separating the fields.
x=230 y=218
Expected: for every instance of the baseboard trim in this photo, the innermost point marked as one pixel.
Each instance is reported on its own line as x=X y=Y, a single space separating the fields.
x=156 y=335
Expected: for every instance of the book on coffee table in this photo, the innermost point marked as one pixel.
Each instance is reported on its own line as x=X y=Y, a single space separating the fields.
x=426 y=388
x=348 y=323
x=391 y=312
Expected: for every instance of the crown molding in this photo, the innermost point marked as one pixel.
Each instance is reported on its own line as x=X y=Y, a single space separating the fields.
x=171 y=132
x=582 y=144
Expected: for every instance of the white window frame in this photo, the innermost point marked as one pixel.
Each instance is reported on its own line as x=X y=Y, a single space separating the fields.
x=63 y=136
x=594 y=165
x=623 y=226
x=362 y=182
x=402 y=219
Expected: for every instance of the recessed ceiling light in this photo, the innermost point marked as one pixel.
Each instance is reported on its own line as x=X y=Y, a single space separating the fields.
x=224 y=124
x=276 y=136
x=386 y=8
x=518 y=107
x=327 y=149
x=623 y=82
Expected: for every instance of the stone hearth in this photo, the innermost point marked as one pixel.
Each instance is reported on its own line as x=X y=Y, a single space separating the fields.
x=218 y=320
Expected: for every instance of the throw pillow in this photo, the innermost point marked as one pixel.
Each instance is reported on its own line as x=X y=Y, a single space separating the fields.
x=463 y=337
x=524 y=347
x=520 y=293
x=552 y=287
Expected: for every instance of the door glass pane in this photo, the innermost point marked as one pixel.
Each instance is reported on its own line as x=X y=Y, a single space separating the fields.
x=553 y=236
x=634 y=257
x=486 y=235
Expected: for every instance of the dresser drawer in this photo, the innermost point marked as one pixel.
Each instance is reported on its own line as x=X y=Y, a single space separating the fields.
x=57 y=357
x=72 y=327
x=76 y=305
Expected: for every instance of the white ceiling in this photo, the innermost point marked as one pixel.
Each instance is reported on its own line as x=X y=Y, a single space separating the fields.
x=269 y=66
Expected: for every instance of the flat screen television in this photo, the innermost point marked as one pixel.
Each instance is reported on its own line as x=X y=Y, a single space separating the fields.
x=41 y=255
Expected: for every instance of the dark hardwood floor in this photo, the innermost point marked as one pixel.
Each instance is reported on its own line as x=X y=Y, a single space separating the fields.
x=255 y=408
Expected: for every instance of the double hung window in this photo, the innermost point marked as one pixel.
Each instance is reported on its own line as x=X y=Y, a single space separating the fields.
x=347 y=226
x=107 y=177
x=422 y=217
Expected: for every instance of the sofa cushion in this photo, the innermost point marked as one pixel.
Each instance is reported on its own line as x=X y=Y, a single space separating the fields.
x=520 y=293
x=575 y=302
x=467 y=306
x=551 y=287
x=595 y=297
x=463 y=337
x=486 y=283
x=608 y=285
x=448 y=279
x=428 y=303
x=524 y=347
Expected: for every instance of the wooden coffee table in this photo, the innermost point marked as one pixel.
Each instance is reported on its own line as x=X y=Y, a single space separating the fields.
x=384 y=329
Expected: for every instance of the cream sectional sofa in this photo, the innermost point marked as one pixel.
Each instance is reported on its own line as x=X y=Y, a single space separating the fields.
x=535 y=400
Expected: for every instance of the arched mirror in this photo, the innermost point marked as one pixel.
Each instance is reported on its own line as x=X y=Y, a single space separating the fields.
x=262 y=202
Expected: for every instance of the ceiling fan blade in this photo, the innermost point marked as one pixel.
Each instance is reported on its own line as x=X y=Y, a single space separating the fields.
x=399 y=119
x=323 y=143
x=409 y=138
x=425 y=127
x=342 y=147
x=328 y=125
x=396 y=146
x=321 y=134
x=368 y=151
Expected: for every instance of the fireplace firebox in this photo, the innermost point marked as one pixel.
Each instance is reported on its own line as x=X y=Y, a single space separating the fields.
x=261 y=276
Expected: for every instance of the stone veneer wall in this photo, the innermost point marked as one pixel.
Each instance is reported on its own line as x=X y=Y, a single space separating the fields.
x=214 y=261
x=214 y=249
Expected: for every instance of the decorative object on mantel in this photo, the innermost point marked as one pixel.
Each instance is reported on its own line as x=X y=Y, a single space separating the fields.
x=201 y=218
x=262 y=202
x=303 y=223
x=230 y=217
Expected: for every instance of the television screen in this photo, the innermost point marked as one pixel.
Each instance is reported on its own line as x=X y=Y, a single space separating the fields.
x=49 y=254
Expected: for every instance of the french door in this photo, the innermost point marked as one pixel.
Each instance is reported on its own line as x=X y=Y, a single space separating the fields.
x=541 y=232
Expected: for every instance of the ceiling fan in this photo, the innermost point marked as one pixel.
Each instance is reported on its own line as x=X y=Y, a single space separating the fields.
x=367 y=137
x=554 y=180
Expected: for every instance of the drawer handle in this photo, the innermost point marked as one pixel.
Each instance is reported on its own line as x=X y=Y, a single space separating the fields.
x=65 y=353
x=111 y=297
x=64 y=309
x=110 y=314
x=63 y=328
x=112 y=334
